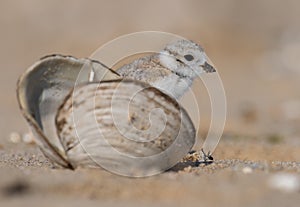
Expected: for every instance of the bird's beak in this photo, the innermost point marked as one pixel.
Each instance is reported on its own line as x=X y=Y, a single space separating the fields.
x=208 y=68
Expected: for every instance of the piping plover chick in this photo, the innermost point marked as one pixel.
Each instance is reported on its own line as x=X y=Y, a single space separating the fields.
x=172 y=70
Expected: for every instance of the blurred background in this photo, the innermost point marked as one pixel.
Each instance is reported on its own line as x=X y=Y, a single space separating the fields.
x=255 y=46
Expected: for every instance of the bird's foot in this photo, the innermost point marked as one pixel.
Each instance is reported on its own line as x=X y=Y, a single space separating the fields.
x=207 y=158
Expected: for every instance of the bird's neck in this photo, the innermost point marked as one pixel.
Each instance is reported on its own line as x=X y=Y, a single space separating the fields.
x=173 y=85
x=167 y=61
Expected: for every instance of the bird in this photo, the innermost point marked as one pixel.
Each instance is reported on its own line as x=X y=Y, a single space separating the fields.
x=68 y=131
x=172 y=70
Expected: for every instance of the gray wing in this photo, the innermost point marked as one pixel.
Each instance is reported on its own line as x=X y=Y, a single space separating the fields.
x=146 y=69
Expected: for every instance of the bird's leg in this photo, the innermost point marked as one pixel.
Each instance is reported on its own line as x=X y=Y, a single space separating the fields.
x=207 y=157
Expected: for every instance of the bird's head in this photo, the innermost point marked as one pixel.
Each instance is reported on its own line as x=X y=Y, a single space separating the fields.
x=186 y=59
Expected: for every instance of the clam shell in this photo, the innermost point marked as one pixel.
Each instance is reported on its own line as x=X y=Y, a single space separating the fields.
x=42 y=89
x=124 y=126
x=83 y=114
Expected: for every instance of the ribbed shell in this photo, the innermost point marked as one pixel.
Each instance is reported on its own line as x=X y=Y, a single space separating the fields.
x=83 y=114
x=124 y=126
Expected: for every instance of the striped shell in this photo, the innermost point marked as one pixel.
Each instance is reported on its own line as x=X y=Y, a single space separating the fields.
x=83 y=114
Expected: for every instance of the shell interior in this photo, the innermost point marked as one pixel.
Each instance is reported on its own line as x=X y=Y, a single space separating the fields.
x=42 y=89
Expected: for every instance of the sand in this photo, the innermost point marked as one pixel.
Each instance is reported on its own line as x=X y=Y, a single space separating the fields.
x=29 y=178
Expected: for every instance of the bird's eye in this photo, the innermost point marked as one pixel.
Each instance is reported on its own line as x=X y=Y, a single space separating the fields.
x=189 y=57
